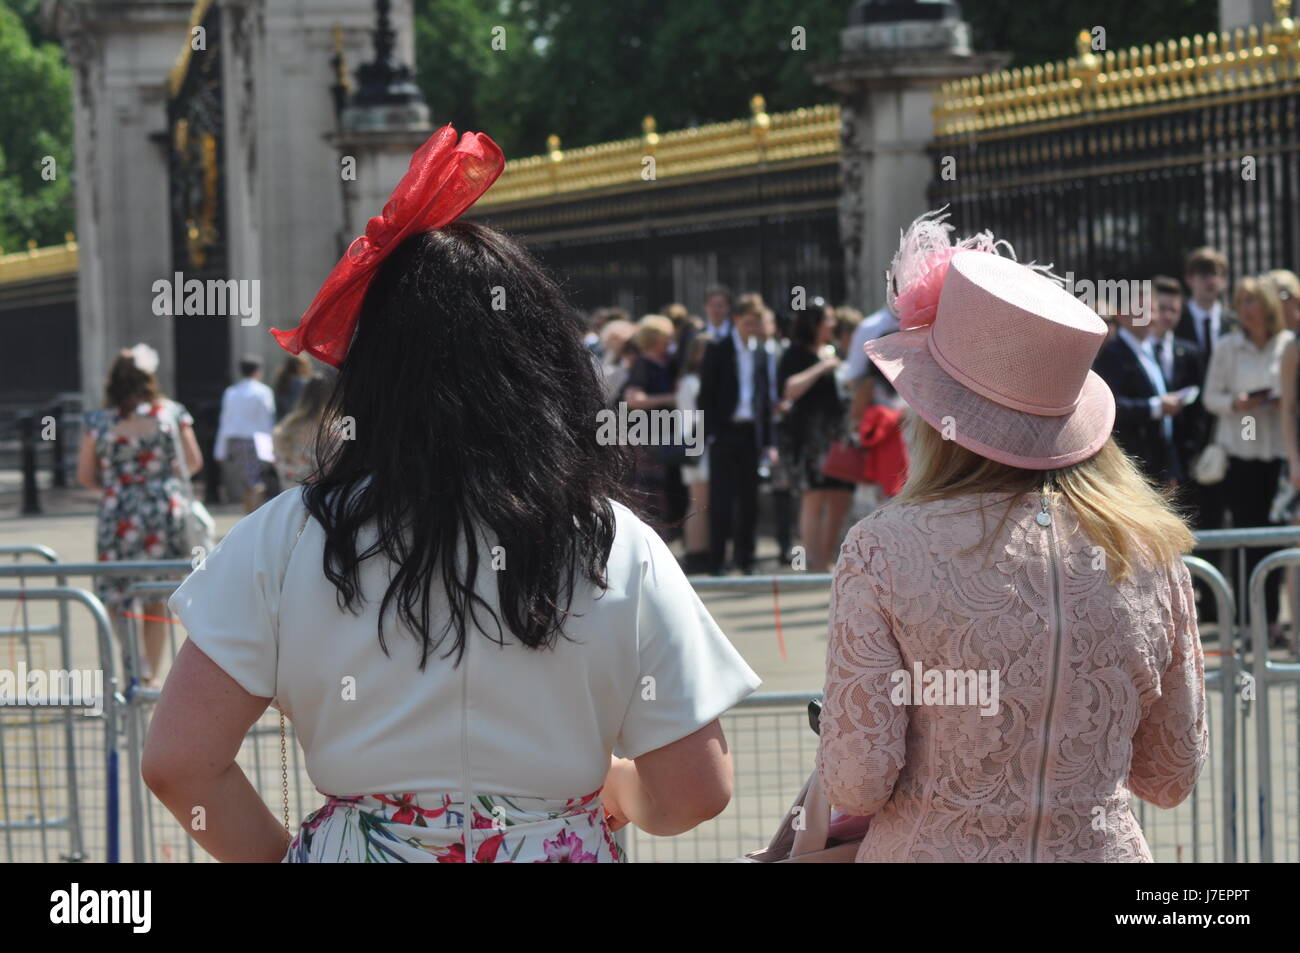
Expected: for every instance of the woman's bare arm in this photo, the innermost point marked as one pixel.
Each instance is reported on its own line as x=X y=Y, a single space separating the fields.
x=190 y=444
x=796 y=385
x=1289 y=369
x=189 y=761
x=87 y=465
x=672 y=789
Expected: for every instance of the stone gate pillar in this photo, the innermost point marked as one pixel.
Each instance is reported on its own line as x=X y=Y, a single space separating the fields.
x=382 y=122
x=893 y=56
x=120 y=54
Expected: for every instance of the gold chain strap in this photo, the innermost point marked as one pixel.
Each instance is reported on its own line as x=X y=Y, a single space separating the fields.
x=284 y=773
x=284 y=748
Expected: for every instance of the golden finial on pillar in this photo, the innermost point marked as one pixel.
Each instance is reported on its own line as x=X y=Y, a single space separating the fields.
x=761 y=121
x=553 y=148
x=649 y=133
x=1085 y=68
x=342 y=77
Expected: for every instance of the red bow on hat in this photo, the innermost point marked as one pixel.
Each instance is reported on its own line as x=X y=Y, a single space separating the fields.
x=444 y=179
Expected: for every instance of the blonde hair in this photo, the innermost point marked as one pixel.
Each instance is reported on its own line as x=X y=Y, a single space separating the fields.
x=1285 y=280
x=676 y=313
x=615 y=334
x=1132 y=520
x=652 y=329
x=847 y=315
x=751 y=303
x=1264 y=290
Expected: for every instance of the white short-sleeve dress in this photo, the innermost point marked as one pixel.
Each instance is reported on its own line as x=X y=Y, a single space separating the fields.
x=500 y=758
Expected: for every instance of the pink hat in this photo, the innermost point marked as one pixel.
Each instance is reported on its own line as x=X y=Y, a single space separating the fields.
x=992 y=353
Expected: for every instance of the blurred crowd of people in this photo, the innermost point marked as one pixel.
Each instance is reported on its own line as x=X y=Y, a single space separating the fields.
x=785 y=400
x=1205 y=397
x=794 y=415
x=266 y=437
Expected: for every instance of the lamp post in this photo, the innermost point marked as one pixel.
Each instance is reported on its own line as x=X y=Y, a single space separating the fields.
x=384 y=81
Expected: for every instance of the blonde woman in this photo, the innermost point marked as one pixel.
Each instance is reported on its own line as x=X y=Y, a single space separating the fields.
x=1243 y=388
x=651 y=387
x=1026 y=566
x=619 y=353
x=295 y=437
x=695 y=470
x=1287 y=286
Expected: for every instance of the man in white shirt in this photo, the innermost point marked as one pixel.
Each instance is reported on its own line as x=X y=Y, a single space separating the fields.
x=243 y=441
x=1205 y=321
x=1183 y=365
x=858 y=369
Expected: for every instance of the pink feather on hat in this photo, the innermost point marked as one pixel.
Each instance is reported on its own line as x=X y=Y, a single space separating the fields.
x=915 y=277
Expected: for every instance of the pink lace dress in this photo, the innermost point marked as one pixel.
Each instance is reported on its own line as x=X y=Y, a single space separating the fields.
x=1093 y=692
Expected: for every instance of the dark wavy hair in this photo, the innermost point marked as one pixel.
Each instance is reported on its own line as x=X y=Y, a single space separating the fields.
x=474 y=407
x=128 y=386
x=805 y=325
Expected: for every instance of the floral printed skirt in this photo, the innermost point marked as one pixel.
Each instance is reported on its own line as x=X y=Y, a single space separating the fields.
x=429 y=827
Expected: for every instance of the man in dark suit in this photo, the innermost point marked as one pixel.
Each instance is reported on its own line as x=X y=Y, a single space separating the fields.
x=1183 y=363
x=1144 y=407
x=737 y=397
x=1204 y=318
x=1204 y=321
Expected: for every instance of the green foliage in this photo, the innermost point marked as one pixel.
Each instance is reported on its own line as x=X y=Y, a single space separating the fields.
x=1042 y=32
x=35 y=122
x=589 y=70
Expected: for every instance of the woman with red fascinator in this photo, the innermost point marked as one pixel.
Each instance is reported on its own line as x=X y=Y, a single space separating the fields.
x=487 y=657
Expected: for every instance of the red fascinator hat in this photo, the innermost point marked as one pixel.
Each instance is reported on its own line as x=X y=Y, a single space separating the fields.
x=445 y=178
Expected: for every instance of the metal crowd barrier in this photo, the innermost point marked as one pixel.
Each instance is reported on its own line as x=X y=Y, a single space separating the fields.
x=1269 y=676
x=57 y=807
x=17 y=551
x=769 y=734
x=84 y=773
x=156 y=837
x=1202 y=828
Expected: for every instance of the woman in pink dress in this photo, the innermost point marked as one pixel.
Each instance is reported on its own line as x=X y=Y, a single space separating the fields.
x=1013 y=647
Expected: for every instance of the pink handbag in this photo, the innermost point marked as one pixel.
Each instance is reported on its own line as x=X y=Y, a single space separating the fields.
x=846 y=461
x=819 y=840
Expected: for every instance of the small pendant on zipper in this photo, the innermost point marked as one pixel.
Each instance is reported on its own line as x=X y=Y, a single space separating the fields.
x=1044 y=518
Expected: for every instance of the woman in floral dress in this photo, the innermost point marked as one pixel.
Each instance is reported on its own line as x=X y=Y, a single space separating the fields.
x=397 y=829
x=129 y=451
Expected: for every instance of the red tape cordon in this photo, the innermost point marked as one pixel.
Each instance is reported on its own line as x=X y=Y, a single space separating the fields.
x=147 y=618
x=776 y=614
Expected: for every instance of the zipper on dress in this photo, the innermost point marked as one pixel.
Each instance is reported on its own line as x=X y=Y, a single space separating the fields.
x=1045 y=520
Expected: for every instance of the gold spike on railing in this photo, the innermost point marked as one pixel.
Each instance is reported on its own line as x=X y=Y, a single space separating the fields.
x=1163 y=72
x=649 y=134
